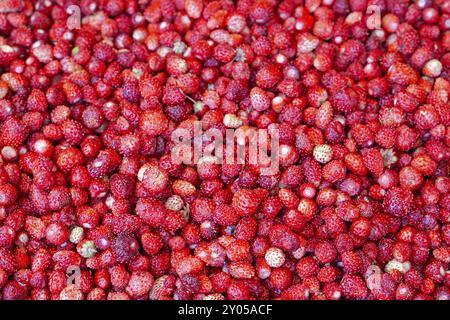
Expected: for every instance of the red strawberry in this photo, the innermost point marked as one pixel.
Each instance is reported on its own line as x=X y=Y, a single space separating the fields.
x=140 y=284
x=162 y=287
x=150 y=87
x=66 y=258
x=334 y=171
x=225 y=215
x=125 y=247
x=153 y=123
x=245 y=202
x=362 y=135
x=373 y=161
x=307 y=267
x=7 y=6
x=73 y=131
x=173 y=95
x=189 y=265
x=355 y=163
x=283 y=238
x=105 y=163
x=41 y=260
x=345 y=101
x=151 y=211
x=407 y=39
x=353 y=287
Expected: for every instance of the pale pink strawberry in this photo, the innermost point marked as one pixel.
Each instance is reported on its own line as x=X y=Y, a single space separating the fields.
x=241 y=270
x=400 y=73
x=373 y=161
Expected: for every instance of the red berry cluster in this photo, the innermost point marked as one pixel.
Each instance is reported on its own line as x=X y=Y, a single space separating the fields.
x=92 y=205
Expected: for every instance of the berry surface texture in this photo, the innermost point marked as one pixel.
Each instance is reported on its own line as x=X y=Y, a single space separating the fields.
x=224 y=150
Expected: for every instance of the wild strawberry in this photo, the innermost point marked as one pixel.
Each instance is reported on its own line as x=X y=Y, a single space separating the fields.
x=86 y=248
x=65 y=258
x=307 y=207
x=345 y=101
x=410 y=178
x=122 y=223
x=7 y=261
x=13 y=133
x=225 y=215
x=432 y=68
x=402 y=74
x=268 y=77
x=119 y=276
x=57 y=234
x=202 y=209
x=35 y=227
x=361 y=227
x=280 y=278
x=424 y=164
x=352 y=262
x=259 y=99
x=238 y=290
x=283 y=238
x=274 y=257
x=8 y=194
x=162 y=288
x=442 y=254
x=246 y=229
x=139 y=284
x=189 y=265
x=153 y=178
x=151 y=211
x=241 y=270
x=312 y=171
x=373 y=161
x=362 y=135
x=307 y=267
x=323 y=153
x=355 y=163
x=324 y=115
x=334 y=171
x=106 y=162
x=37 y=101
x=245 y=202
x=353 y=287
x=398 y=201
x=407 y=38
x=125 y=248
x=406 y=138
x=73 y=132
x=325 y=252
x=212 y=254
x=153 y=123
x=71 y=91
x=426 y=117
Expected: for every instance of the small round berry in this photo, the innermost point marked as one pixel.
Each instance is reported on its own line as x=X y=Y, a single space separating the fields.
x=323 y=153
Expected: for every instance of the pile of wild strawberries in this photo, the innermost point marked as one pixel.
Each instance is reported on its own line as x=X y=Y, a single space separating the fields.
x=93 y=206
